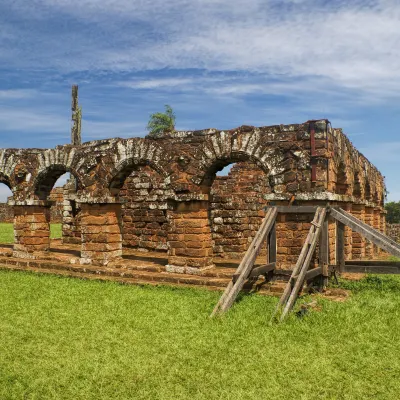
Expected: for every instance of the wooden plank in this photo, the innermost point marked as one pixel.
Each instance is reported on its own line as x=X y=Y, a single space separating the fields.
x=295 y=272
x=320 y=219
x=369 y=269
x=263 y=269
x=257 y=271
x=324 y=250
x=272 y=245
x=241 y=266
x=372 y=263
x=312 y=273
x=297 y=209
x=371 y=236
x=369 y=228
x=340 y=259
x=244 y=269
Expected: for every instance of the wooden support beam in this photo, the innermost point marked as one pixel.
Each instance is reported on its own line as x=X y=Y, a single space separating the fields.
x=368 y=232
x=369 y=228
x=314 y=234
x=324 y=250
x=245 y=267
x=272 y=245
x=373 y=263
x=257 y=271
x=340 y=258
x=313 y=273
x=296 y=209
x=373 y=269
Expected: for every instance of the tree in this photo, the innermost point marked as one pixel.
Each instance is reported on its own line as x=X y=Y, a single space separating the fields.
x=393 y=212
x=160 y=123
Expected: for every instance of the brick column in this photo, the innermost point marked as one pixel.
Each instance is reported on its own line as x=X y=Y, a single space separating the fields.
x=377 y=225
x=358 y=240
x=348 y=235
x=369 y=219
x=31 y=229
x=101 y=232
x=383 y=227
x=189 y=237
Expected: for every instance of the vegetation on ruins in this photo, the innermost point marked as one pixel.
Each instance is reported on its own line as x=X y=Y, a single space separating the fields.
x=161 y=123
x=393 y=212
x=64 y=338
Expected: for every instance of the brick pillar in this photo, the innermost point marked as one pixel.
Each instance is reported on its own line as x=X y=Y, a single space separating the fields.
x=377 y=225
x=189 y=237
x=71 y=230
x=369 y=219
x=348 y=235
x=31 y=229
x=358 y=240
x=101 y=232
x=383 y=227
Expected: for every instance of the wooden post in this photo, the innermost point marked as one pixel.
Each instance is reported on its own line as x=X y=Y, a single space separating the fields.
x=340 y=259
x=272 y=245
x=324 y=249
x=76 y=139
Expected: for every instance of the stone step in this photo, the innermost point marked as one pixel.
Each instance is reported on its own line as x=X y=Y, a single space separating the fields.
x=123 y=275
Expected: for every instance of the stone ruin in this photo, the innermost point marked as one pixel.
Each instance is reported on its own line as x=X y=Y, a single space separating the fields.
x=161 y=194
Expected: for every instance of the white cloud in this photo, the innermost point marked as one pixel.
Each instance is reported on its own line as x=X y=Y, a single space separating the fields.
x=349 y=44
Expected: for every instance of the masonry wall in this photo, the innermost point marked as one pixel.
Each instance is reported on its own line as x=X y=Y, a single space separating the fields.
x=393 y=231
x=56 y=210
x=237 y=208
x=144 y=210
x=6 y=213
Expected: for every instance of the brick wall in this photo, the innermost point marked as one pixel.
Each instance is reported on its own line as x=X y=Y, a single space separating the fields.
x=144 y=210
x=237 y=208
x=6 y=213
x=393 y=231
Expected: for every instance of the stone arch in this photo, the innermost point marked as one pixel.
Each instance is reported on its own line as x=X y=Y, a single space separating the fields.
x=5 y=180
x=47 y=177
x=224 y=148
x=126 y=167
x=8 y=164
x=134 y=153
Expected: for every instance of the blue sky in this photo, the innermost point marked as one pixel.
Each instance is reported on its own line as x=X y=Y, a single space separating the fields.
x=218 y=63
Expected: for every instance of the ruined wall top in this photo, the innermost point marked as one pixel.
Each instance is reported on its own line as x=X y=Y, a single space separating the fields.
x=310 y=161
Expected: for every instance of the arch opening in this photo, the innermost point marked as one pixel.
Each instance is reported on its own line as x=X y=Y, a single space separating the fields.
x=143 y=193
x=126 y=169
x=222 y=166
x=236 y=207
x=60 y=185
x=48 y=178
x=6 y=214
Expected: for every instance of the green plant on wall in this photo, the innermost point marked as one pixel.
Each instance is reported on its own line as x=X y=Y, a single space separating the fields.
x=161 y=123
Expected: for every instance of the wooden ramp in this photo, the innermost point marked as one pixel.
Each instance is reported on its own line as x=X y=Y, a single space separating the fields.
x=245 y=269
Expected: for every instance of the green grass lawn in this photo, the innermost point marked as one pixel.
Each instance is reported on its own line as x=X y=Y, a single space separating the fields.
x=63 y=338
x=7 y=232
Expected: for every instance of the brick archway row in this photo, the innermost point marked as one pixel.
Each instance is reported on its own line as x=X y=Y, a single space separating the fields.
x=187 y=161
